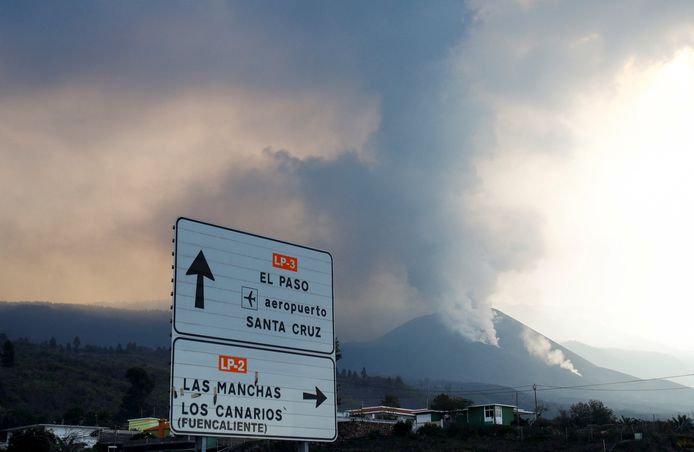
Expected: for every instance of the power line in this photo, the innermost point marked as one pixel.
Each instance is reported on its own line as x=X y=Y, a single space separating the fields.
x=530 y=387
x=640 y=380
x=683 y=388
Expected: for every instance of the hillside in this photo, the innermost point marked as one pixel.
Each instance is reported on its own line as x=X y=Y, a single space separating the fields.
x=55 y=384
x=425 y=348
x=52 y=384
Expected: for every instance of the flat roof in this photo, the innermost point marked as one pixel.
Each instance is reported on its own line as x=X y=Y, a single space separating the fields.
x=75 y=427
x=492 y=404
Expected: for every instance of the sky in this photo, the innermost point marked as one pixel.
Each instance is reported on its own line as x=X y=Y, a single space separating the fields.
x=532 y=156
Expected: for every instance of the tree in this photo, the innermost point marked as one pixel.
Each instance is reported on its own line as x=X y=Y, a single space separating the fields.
x=681 y=423
x=76 y=343
x=402 y=428
x=8 y=353
x=444 y=402
x=391 y=400
x=134 y=400
x=74 y=416
x=592 y=412
x=71 y=443
x=34 y=440
x=338 y=350
x=338 y=356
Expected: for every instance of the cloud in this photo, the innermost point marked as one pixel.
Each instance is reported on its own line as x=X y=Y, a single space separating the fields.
x=93 y=180
x=398 y=136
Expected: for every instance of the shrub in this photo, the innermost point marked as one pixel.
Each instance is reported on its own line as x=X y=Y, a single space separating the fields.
x=35 y=440
x=430 y=430
x=401 y=428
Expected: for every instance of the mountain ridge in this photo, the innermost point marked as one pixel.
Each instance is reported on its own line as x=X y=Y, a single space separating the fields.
x=94 y=325
x=425 y=348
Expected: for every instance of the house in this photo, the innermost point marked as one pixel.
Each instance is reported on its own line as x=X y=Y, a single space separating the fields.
x=141 y=424
x=383 y=413
x=391 y=415
x=490 y=414
x=154 y=425
x=426 y=416
x=474 y=415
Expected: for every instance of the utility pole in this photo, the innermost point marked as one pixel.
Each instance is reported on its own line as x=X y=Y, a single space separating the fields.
x=518 y=419
x=535 y=391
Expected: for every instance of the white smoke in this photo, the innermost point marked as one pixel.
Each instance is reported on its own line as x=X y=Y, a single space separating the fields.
x=473 y=320
x=538 y=345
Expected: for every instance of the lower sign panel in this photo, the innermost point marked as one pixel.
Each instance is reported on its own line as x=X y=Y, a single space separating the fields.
x=225 y=390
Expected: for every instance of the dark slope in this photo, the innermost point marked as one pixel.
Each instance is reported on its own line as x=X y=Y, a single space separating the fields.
x=94 y=325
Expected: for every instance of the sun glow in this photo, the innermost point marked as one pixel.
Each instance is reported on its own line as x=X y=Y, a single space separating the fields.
x=616 y=208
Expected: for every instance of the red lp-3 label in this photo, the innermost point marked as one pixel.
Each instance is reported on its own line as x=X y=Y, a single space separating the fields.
x=285 y=262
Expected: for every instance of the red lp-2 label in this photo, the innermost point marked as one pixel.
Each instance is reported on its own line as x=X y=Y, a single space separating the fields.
x=233 y=364
x=285 y=262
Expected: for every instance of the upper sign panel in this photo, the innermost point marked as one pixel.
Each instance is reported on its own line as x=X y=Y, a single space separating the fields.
x=235 y=286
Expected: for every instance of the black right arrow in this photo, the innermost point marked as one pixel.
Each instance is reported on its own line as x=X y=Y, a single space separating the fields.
x=199 y=267
x=319 y=397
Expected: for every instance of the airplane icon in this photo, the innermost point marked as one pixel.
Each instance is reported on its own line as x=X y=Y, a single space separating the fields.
x=249 y=298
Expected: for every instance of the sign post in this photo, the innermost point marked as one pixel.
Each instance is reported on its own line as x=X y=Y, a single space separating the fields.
x=253 y=349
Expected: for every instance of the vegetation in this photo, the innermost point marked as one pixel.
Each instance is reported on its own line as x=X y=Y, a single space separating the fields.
x=402 y=428
x=7 y=353
x=391 y=400
x=444 y=402
x=51 y=383
x=135 y=399
x=357 y=389
x=629 y=434
x=580 y=414
x=35 y=439
x=84 y=384
x=681 y=423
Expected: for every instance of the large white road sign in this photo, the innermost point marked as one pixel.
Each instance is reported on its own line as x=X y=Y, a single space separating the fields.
x=235 y=286
x=226 y=390
x=253 y=348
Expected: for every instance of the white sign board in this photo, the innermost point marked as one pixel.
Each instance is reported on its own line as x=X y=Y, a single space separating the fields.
x=230 y=285
x=252 y=337
x=227 y=390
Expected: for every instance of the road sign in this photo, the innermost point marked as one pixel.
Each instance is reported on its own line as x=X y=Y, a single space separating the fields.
x=235 y=286
x=252 y=337
x=227 y=390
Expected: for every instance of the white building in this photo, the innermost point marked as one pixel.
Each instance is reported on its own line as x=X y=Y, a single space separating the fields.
x=82 y=434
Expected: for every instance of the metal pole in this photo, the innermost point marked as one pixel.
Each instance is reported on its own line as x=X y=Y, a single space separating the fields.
x=200 y=444
x=303 y=446
x=535 y=391
x=517 y=419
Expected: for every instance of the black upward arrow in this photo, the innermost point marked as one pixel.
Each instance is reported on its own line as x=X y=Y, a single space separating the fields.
x=319 y=397
x=199 y=267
